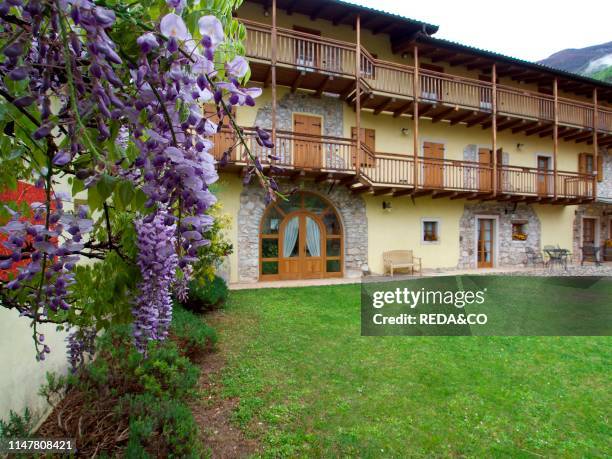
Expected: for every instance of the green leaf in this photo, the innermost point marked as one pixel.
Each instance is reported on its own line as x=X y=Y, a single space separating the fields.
x=106 y=186
x=124 y=194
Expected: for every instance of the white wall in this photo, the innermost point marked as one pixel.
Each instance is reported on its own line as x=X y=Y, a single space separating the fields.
x=21 y=376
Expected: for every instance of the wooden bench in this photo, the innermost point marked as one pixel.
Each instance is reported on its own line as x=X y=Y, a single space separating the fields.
x=401 y=259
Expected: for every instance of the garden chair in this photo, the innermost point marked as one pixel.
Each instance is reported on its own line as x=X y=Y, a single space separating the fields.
x=532 y=257
x=401 y=259
x=590 y=253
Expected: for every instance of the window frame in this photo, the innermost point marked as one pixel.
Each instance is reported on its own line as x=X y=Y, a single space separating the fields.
x=437 y=227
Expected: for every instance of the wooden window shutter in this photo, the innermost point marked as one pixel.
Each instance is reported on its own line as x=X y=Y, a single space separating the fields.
x=582 y=163
x=599 y=168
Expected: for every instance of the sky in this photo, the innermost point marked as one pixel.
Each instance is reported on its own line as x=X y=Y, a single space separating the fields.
x=527 y=29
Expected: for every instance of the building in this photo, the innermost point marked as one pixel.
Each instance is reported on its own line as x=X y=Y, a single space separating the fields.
x=467 y=157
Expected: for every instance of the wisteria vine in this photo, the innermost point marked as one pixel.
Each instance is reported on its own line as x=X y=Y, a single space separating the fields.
x=84 y=107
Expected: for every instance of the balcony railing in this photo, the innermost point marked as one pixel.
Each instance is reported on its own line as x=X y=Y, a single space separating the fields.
x=337 y=154
x=307 y=52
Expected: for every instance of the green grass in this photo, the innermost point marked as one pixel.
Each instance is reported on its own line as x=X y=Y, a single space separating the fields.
x=310 y=385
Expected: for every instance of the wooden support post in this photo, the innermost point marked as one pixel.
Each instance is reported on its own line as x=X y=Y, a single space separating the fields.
x=273 y=69
x=358 y=95
x=595 y=146
x=415 y=116
x=494 y=125
x=555 y=135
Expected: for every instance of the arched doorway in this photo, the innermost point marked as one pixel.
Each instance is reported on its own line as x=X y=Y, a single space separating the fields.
x=301 y=238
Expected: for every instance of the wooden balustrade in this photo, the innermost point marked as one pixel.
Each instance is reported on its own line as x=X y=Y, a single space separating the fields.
x=305 y=151
x=525 y=181
x=302 y=151
x=258 y=41
x=446 y=174
x=438 y=87
x=308 y=52
x=392 y=79
x=575 y=113
x=393 y=170
x=570 y=185
x=524 y=103
x=604 y=118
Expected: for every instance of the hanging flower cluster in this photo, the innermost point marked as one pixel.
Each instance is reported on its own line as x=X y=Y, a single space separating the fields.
x=157 y=260
x=79 y=81
x=53 y=249
x=79 y=342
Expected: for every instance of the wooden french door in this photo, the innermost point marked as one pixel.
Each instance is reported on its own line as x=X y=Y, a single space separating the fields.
x=544 y=178
x=307 y=151
x=301 y=247
x=368 y=138
x=485 y=174
x=486 y=242
x=223 y=140
x=589 y=231
x=433 y=165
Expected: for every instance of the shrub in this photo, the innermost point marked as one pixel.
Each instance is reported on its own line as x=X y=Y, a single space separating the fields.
x=163 y=427
x=146 y=396
x=165 y=372
x=193 y=335
x=17 y=426
x=206 y=296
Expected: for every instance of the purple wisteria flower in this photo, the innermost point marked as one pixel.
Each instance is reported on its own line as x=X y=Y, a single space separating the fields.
x=147 y=42
x=238 y=67
x=172 y=26
x=157 y=260
x=212 y=31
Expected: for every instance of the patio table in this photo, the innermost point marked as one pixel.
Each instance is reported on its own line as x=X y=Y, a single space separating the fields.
x=557 y=256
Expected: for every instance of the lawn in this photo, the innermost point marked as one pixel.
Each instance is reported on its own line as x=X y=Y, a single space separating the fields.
x=310 y=385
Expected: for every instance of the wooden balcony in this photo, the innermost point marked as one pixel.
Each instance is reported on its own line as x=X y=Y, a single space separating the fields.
x=322 y=64
x=333 y=159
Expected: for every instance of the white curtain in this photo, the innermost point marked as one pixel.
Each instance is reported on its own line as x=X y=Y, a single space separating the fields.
x=313 y=237
x=291 y=236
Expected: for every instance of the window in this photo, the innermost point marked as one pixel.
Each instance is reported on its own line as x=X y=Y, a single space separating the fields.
x=430 y=232
x=586 y=165
x=519 y=231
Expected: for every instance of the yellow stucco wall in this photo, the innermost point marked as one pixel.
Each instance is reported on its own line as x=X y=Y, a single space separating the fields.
x=556 y=223
x=228 y=190
x=400 y=229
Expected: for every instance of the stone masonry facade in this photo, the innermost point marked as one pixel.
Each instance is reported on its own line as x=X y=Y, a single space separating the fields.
x=602 y=212
x=331 y=109
x=604 y=188
x=510 y=252
x=352 y=212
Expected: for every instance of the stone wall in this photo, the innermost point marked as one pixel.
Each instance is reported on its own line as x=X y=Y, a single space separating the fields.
x=331 y=109
x=351 y=210
x=600 y=210
x=509 y=252
x=604 y=188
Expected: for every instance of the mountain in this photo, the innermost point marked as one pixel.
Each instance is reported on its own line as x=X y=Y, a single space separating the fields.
x=592 y=61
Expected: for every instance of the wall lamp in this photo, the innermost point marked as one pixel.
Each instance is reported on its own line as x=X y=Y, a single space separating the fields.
x=519 y=146
x=386 y=205
x=266 y=11
x=405 y=131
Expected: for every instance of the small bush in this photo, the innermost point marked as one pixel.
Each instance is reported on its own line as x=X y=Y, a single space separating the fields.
x=191 y=332
x=165 y=372
x=206 y=296
x=17 y=426
x=164 y=427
